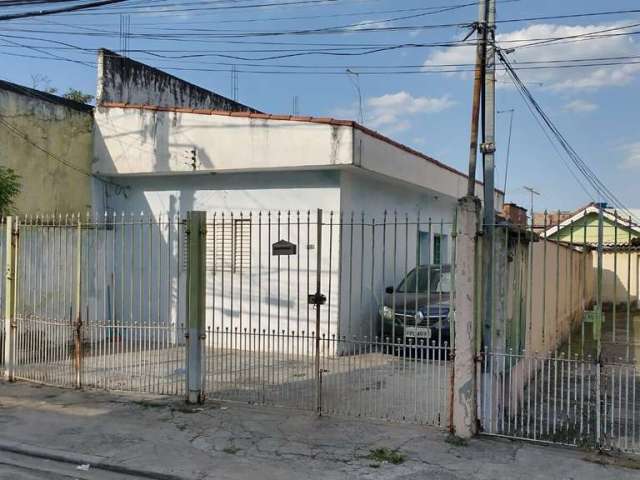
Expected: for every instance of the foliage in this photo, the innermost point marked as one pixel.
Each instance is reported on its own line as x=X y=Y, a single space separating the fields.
x=9 y=189
x=386 y=455
x=78 y=96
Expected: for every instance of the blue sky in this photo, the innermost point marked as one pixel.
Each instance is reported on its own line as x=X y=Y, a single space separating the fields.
x=596 y=107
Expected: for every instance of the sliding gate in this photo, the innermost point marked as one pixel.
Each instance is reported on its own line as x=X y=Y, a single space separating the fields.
x=328 y=312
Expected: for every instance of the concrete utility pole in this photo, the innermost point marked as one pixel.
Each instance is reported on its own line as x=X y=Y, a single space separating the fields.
x=481 y=43
x=488 y=148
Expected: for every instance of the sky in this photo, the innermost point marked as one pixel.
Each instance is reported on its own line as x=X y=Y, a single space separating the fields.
x=397 y=56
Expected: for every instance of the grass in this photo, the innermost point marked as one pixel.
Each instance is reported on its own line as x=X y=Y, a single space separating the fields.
x=456 y=441
x=386 y=455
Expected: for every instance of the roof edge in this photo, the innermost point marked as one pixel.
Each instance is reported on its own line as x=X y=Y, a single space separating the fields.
x=295 y=118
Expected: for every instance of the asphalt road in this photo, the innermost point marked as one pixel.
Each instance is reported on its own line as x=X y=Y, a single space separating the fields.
x=15 y=466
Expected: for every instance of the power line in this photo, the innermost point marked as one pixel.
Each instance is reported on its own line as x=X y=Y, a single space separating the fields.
x=72 y=8
x=598 y=186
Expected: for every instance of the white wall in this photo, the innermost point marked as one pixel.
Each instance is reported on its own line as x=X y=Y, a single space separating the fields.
x=269 y=293
x=381 y=157
x=134 y=141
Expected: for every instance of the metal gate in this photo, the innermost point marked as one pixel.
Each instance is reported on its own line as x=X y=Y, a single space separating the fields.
x=97 y=303
x=345 y=314
x=566 y=367
x=340 y=313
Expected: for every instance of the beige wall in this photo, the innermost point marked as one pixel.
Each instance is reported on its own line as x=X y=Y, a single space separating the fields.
x=620 y=272
x=567 y=290
x=48 y=186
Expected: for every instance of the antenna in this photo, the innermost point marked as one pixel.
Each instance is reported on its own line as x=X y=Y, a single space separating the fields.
x=234 y=83
x=532 y=192
x=356 y=84
x=294 y=106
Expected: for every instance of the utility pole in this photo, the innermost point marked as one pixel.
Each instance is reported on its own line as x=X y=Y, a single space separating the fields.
x=488 y=148
x=481 y=43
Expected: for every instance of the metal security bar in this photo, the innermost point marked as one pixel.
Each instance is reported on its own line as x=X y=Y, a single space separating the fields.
x=567 y=285
x=99 y=302
x=379 y=332
x=341 y=313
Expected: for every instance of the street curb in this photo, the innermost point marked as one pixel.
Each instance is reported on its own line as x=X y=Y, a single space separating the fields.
x=94 y=461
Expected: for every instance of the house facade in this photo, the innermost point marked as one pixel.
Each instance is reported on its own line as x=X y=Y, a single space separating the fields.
x=361 y=209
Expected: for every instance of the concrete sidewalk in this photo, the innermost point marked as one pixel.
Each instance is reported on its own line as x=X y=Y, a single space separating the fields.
x=159 y=437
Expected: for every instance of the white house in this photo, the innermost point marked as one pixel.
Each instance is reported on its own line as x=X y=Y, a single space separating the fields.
x=262 y=178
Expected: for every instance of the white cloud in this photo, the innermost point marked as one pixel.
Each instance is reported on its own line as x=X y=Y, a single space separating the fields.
x=632 y=156
x=557 y=78
x=366 y=24
x=580 y=106
x=390 y=111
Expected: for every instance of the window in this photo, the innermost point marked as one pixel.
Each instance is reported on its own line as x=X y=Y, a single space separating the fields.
x=440 y=253
x=424 y=244
x=230 y=245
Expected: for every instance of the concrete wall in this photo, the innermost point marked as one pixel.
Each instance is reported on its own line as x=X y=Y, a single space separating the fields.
x=561 y=293
x=46 y=123
x=620 y=276
x=536 y=309
x=132 y=141
x=121 y=79
x=379 y=156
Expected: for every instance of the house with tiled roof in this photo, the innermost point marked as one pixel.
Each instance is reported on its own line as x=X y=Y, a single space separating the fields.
x=165 y=146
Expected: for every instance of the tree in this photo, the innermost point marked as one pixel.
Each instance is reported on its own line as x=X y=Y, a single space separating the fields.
x=9 y=189
x=42 y=82
x=78 y=96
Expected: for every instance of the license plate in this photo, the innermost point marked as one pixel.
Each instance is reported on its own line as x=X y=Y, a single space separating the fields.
x=417 y=332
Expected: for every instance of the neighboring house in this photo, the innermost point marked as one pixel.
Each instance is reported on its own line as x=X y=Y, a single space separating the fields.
x=183 y=155
x=621 y=247
x=48 y=141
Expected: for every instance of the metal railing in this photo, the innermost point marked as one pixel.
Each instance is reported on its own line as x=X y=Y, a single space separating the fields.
x=350 y=316
x=561 y=399
x=99 y=302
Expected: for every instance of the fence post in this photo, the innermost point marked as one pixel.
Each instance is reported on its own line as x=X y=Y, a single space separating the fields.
x=317 y=301
x=196 y=265
x=77 y=330
x=464 y=412
x=11 y=246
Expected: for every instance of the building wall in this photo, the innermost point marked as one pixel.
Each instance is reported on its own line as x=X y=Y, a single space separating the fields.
x=132 y=141
x=46 y=123
x=121 y=79
x=620 y=277
x=266 y=293
x=400 y=163
x=586 y=230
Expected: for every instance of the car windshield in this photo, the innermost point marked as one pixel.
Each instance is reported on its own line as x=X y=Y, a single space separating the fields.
x=435 y=279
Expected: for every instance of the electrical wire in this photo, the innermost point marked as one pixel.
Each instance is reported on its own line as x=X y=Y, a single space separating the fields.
x=598 y=185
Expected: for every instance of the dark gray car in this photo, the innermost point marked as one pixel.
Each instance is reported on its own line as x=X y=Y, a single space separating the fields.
x=417 y=310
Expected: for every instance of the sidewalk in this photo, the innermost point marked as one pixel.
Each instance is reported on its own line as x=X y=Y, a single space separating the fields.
x=160 y=436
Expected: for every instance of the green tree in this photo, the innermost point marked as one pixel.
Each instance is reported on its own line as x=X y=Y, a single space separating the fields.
x=78 y=96
x=9 y=189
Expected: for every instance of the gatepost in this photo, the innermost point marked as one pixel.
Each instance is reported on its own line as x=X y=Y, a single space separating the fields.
x=464 y=412
x=196 y=265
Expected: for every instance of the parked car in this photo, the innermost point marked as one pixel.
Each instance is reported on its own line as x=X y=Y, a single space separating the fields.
x=417 y=310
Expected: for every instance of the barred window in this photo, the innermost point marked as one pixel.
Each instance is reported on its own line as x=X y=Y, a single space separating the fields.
x=229 y=245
